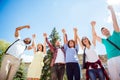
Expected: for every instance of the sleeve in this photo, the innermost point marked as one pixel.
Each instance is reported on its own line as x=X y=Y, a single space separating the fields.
x=116 y=33
x=103 y=41
x=50 y=45
x=65 y=47
x=77 y=47
x=18 y=37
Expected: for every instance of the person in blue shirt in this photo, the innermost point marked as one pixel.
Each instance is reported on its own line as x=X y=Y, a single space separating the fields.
x=72 y=62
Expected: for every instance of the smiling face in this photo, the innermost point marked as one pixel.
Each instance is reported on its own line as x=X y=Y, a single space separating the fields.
x=40 y=47
x=71 y=44
x=27 y=41
x=85 y=41
x=105 y=31
x=57 y=43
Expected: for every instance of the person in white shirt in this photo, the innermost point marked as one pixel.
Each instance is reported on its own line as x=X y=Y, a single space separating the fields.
x=94 y=68
x=11 y=59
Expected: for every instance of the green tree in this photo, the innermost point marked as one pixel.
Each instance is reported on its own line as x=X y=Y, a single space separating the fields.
x=46 y=69
x=3 y=46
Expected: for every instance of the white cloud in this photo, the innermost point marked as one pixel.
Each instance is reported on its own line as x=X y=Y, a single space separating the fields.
x=113 y=2
x=27 y=58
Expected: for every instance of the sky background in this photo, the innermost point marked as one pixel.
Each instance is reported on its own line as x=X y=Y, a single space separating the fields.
x=44 y=15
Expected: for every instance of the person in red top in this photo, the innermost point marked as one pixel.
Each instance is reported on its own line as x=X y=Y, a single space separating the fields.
x=58 y=60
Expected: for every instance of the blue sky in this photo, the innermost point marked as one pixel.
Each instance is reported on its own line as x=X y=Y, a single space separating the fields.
x=44 y=15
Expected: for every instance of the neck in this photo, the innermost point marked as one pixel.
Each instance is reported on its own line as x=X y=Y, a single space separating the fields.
x=108 y=35
x=88 y=46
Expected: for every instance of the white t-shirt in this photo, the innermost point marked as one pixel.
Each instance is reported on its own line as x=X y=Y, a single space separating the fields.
x=91 y=55
x=60 y=58
x=17 y=49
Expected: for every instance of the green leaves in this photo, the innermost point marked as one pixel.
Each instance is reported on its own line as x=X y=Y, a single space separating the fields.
x=21 y=73
x=46 y=73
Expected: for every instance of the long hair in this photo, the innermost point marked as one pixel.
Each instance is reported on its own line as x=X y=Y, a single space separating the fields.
x=42 y=47
x=84 y=39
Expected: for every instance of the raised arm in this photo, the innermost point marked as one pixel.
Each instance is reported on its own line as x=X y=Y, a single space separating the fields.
x=64 y=36
x=79 y=40
x=34 y=46
x=93 y=23
x=75 y=35
x=44 y=43
x=49 y=44
x=19 y=28
x=95 y=37
x=114 y=19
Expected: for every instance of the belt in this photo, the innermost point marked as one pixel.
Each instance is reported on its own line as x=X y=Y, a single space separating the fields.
x=59 y=64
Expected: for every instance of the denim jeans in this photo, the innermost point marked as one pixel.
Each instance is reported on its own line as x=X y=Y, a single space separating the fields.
x=96 y=73
x=73 y=71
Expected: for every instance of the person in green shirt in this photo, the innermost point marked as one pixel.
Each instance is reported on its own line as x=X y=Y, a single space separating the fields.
x=113 y=53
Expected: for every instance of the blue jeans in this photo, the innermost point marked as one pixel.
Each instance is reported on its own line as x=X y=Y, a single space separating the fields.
x=96 y=73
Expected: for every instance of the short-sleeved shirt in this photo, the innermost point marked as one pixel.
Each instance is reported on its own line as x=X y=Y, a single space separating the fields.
x=112 y=51
x=17 y=49
x=91 y=55
x=71 y=53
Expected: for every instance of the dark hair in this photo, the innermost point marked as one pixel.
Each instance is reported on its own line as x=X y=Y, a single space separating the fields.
x=42 y=48
x=83 y=42
x=25 y=41
x=102 y=28
x=71 y=41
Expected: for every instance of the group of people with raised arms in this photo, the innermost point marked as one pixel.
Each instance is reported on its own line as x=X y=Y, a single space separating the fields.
x=65 y=57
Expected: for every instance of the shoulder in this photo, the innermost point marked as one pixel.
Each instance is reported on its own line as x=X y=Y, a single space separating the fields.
x=18 y=37
x=103 y=40
x=65 y=45
x=76 y=45
x=116 y=33
x=92 y=46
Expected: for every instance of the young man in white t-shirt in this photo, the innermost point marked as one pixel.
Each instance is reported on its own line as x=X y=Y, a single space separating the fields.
x=11 y=59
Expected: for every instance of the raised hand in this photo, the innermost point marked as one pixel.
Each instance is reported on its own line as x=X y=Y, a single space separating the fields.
x=110 y=7
x=75 y=29
x=34 y=36
x=27 y=26
x=63 y=31
x=93 y=23
x=45 y=35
